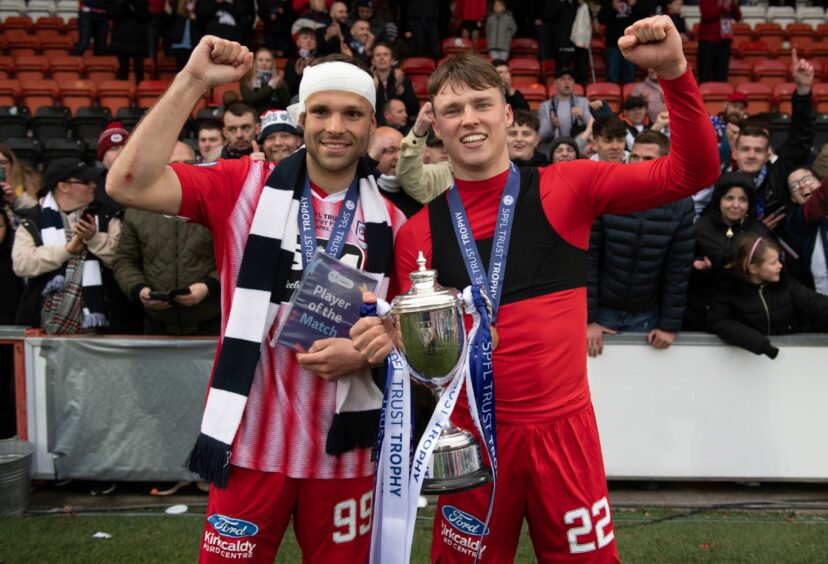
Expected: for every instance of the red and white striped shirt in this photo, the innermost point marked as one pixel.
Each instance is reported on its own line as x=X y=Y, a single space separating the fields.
x=289 y=409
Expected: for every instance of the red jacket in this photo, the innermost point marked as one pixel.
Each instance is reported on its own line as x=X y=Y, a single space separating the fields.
x=711 y=18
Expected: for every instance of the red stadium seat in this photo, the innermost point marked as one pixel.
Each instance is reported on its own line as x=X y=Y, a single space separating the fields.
x=819 y=49
x=76 y=94
x=739 y=71
x=821 y=30
x=9 y=92
x=524 y=47
x=422 y=66
x=23 y=23
x=535 y=94
x=148 y=91
x=741 y=32
x=548 y=69
x=100 y=68
x=753 y=51
x=607 y=91
x=820 y=94
x=760 y=96
x=627 y=89
x=770 y=34
x=56 y=45
x=115 y=94
x=47 y=22
x=793 y=30
x=218 y=93
x=20 y=45
x=31 y=67
x=420 y=88
x=525 y=67
x=770 y=72
x=67 y=67
x=801 y=44
x=454 y=45
x=167 y=68
x=714 y=95
x=782 y=93
x=6 y=67
x=36 y=93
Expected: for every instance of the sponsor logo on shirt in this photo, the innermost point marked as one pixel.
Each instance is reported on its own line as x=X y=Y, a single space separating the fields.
x=233 y=528
x=457 y=522
x=464 y=522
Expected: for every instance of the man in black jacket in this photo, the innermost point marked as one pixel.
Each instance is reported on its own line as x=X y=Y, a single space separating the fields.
x=638 y=265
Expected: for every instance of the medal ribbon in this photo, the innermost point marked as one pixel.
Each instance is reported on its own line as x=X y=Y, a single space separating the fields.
x=342 y=224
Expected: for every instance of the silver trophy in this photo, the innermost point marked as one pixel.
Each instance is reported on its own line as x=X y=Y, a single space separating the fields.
x=430 y=322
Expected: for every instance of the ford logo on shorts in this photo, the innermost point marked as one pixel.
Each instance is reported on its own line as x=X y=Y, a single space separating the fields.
x=463 y=522
x=233 y=528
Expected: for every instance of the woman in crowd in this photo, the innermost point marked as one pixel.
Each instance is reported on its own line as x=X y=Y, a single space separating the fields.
x=729 y=215
x=757 y=300
x=806 y=229
x=263 y=87
x=20 y=183
x=129 y=40
x=185 y=32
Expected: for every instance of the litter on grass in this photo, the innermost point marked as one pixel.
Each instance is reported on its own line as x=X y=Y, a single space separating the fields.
x=176 y=509
x=100 y=535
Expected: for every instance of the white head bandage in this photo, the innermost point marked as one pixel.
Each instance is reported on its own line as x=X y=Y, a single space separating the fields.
x=337 y=75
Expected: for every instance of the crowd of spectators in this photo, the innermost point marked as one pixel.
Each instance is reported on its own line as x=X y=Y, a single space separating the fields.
x=73 y=261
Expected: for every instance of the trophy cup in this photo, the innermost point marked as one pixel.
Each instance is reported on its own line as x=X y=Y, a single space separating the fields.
x=434 y=343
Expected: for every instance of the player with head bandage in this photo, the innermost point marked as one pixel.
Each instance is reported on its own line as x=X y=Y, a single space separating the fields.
x=284 y=433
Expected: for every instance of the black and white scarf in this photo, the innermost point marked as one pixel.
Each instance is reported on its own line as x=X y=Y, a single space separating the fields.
x=53 y=231
x=271 y=249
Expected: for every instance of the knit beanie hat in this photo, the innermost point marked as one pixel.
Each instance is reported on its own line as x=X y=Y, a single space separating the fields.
x=113 y=136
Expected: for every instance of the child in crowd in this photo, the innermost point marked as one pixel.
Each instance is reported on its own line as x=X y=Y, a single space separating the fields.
x=758 y=300
x=500 y=29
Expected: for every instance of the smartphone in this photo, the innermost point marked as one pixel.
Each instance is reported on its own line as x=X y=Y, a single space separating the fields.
x=161 y=296
x=777 y=211
x=180 y=292
x=89 y=213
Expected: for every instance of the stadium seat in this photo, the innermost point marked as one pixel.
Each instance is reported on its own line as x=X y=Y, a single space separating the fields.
x=798 y=30
x=525 y=67
x=50 y=22
x=100 y=68
x=742 y=32
x=753 y=51
x=76 y=94
x=37 y=9
x=6 y=67
x=607 y=91
x=50 y=122
x=454 y=45
x=420 y=87
x=801 y=44
x=770 y=72
x=148 y=91
x=739 y=71
x=56 y=45
x=166 y=68
x=115 y=94
x=770 y=34
x=760 y=96
x=12 y=9
x=23 y=23
x=37 y=93
x=19 y=45
x=31 y=67
x=25 y=149
x=13 y=122
x=423 y=66
x=817 y=50
x=714 y=95
x=89 y=122
x=61 y=148
x=524 y=47
x=9 y=92
x=205 y=114
x=782 y=93
x=129 y=117
x=820 y=95
x=66 y=67
x=217 y=96
x=535 y=94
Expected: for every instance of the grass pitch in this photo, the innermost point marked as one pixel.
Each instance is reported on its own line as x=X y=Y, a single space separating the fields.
x=643 y=536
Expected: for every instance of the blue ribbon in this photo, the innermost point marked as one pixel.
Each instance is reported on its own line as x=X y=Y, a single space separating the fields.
x=339 y=233
x=493 y=281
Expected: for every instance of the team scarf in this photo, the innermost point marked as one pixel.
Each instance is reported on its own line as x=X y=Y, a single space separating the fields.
x=271 y=250
x=53 y=232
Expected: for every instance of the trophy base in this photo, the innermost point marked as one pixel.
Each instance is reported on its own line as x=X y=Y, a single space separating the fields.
x=457 y=484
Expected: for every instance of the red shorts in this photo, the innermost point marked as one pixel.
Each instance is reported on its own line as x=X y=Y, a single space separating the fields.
x=246 y=520
x=550 y=474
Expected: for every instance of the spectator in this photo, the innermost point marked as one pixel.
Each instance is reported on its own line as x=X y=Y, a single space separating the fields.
x=277 y=17
x=20 y=183
x=129 y=36
x=434 y=151
x=229 y=20
x=110 y=142
x=500 y=29
x=394 y=115
x=423 y=182
x=390 y=81
x=470 y=14
x=759 y=300
x=93 y=25
x=157 y=28
x=565 y=113
x=729 y=215
x=239 y=130
x=366 y=12
x=715 y=38
x=617 y=15
x=306 y=51
x=164 y=254
x=806 y=230
x=609 y=134
x=821 y=163
x=315 y=17
x=522 y=140
x=61 y=250
x=384 y=151
x=362 y=41
x=423 y=20
x=651 y=91
x=638 y=265
x=674 y=11
x=513 y=97
x=279 y=135
x=210 y=140
x=264 y=87
x=635 y=118
x=557 y=18
x=11 y=286
x=184 y=32
x=563 y=149
x=336 y=37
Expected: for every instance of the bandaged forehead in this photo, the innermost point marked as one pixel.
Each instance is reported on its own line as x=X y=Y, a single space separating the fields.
x=337 y=75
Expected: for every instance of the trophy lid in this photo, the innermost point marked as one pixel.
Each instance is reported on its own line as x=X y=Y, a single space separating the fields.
x=425 y=293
